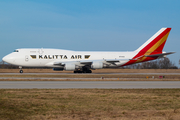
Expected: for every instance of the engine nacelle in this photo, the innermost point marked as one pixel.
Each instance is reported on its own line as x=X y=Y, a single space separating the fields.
x=97 y=65
x=69 y=66
x=58 y=69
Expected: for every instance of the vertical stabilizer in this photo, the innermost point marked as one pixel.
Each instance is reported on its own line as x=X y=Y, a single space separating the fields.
x=154 y=45
x=152 y=48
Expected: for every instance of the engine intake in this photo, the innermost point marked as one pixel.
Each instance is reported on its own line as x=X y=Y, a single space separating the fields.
x=97 y=65
x=69 y=66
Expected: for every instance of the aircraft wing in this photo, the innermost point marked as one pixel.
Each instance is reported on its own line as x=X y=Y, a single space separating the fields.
x=103 y=61
x=59 y=63
x=90 y=62
x=111 y=61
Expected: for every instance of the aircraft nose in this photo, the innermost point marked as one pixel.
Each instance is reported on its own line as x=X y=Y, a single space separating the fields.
x=8 y=59
x=4 y=59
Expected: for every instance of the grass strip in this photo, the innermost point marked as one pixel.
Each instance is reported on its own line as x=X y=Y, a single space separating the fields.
x=20 y=104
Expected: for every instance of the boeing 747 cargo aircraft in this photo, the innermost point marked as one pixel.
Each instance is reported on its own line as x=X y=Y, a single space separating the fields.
x=85 y=61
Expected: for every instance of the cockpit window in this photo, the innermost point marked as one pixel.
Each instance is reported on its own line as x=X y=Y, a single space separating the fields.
x=16 y=50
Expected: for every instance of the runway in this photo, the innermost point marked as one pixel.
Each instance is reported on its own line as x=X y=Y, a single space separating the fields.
x=86 y=77
x=88 y=84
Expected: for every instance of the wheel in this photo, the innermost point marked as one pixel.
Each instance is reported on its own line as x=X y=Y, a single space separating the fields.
x=21 y=71
x=80 y=71
x=89 y=71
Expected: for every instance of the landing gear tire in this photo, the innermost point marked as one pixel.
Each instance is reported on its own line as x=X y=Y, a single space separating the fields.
x=78 y=71
x=21 y=71
x=87 y=71
x=84 y=71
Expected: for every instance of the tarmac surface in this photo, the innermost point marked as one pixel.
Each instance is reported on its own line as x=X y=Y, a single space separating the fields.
x=34 y=78
x=88 y=84
x=79 y=83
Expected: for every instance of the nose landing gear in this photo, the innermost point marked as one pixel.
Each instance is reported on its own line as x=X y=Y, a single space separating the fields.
x=20 y=71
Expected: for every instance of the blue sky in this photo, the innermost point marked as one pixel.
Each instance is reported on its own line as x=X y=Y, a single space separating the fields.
x=103 y=25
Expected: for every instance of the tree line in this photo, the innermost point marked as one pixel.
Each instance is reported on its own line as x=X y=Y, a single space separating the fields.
x=163 y=63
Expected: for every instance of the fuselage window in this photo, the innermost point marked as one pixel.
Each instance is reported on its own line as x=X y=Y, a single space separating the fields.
x=122 y=56
x=32 y=51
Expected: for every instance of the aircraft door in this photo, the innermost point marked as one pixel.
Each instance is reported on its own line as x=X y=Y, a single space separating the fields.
x=41 y=51
x=26 y=58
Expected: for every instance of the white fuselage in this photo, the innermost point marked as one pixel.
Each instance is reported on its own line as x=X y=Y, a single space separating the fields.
x=48 y=57
x=83 y=61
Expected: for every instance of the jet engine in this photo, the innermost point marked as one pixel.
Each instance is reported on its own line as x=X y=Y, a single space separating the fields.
x=69 y=66
x=97 y=65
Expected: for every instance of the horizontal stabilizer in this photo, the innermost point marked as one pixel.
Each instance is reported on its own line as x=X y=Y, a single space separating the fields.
x=159 y=55
x=155 y=55
x=115 y=60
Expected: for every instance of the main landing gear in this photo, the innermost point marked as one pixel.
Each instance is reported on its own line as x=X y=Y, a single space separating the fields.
x=83 y=70
x=20 y=71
